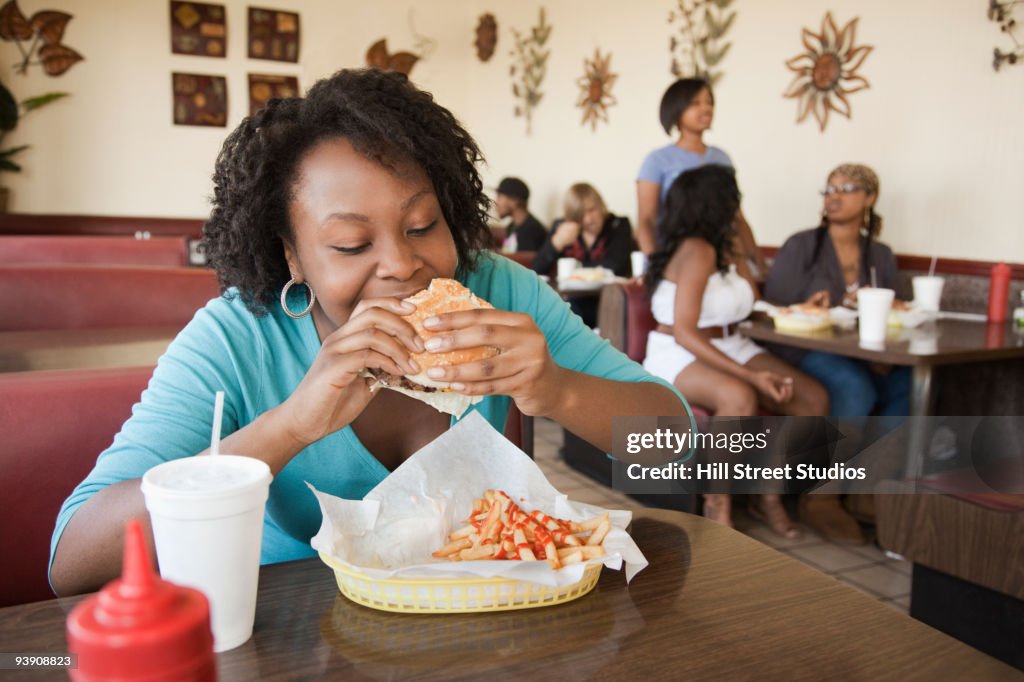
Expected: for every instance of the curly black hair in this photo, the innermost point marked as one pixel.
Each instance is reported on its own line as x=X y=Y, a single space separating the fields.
x=700 y=203
x=385 y=118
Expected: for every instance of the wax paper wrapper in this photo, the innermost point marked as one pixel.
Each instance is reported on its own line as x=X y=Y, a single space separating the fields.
x=392 y=531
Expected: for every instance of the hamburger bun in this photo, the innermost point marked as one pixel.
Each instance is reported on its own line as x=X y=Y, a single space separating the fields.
x=442 y=296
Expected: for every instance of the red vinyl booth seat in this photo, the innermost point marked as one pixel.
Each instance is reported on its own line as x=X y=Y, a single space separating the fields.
x=167 y=251
x=73 y=296
x=625 y=319
x=55 y=423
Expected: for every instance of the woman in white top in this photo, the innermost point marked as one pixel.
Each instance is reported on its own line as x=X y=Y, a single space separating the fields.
x=700 y=293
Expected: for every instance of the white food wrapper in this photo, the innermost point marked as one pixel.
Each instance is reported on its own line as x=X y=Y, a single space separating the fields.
x=392 y=531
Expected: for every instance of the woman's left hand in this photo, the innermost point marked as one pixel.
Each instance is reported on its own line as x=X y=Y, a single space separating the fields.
x=523 y=369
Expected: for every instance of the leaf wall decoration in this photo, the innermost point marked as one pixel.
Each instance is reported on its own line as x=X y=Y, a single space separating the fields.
x=45 y=30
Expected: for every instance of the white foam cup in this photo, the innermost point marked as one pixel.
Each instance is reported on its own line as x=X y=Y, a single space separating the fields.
x=566 y=266
x=638 y=260
x=207 y=516
x=927 y=292
x=873 y=307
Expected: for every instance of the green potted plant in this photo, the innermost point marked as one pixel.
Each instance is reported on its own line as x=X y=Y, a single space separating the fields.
x=10 y=113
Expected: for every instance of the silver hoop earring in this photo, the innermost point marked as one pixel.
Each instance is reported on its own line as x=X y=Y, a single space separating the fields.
x=284 y=300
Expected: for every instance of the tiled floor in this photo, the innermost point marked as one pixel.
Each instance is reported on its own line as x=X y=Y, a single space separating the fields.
x=864 y=568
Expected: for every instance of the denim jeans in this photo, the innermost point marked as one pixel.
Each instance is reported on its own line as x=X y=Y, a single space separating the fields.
x=855 y=391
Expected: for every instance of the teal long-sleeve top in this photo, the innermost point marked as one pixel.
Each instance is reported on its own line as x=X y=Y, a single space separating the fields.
x=259 y=361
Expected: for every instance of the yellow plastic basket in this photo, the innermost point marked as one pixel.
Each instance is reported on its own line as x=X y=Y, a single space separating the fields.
x=455 y=595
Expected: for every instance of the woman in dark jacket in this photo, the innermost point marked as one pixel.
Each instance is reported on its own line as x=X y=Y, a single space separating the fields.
x=827 y=265
x=591 y=235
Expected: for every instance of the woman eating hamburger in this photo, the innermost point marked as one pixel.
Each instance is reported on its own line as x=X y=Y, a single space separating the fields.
x=328 y=212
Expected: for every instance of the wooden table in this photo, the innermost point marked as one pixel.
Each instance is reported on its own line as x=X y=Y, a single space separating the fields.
x=934 y=343
x=83 y=348
x=712 y=604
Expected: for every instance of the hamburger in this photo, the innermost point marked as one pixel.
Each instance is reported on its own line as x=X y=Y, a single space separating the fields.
x=442 y=296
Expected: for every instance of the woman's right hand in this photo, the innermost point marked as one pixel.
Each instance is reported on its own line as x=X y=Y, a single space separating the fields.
x=774 y=386
x=334 y=392
x=568 y=232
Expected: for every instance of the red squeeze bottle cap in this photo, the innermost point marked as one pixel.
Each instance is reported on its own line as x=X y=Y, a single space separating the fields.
x=140 y=627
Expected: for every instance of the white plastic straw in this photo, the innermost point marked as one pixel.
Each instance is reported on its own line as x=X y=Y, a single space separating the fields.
x=874 y=278
x=218 y=413
x=931 y=268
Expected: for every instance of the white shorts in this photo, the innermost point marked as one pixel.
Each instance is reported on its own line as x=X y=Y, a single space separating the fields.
x=666 y=359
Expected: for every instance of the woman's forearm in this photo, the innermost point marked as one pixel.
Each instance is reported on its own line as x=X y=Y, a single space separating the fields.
x=588 y=404
x=89 y=551
x=90 y=548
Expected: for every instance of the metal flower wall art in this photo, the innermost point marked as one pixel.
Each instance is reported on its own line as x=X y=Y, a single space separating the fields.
x=1002 y=14
x=700 y=45
x=44 y=32
x=530 y=68
x=826 y=73
x=596 y=89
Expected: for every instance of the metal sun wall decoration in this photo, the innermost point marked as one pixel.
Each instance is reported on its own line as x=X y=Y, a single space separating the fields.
x=199 y=100
x=530 y=66
x=699 y=47
x=198 y=29
x=486 y=37
x=45 y=30
x=826 y=73
x=596 y=89
x=1002 y=14
x=273 y=34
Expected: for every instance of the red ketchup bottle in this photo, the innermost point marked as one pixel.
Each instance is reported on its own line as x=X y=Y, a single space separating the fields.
x=998 y=292
x=140 y=627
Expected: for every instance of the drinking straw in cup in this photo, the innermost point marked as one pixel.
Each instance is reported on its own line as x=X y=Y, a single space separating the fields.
x=207 y=517
x=927 y=292
x=218 y=413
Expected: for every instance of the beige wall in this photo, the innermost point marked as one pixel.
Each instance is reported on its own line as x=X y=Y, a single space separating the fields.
x=942 y=129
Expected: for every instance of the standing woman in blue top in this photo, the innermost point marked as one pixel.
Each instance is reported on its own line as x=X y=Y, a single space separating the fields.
x=328 y=210
x=689 y=106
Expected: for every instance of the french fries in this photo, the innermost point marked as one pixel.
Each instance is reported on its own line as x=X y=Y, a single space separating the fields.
x=499 y=529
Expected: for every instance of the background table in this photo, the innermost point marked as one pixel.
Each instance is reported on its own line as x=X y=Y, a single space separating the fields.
x=713 y=602
x=83 y=348
x=923 y=348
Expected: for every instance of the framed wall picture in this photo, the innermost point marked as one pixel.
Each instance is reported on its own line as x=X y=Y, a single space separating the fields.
x=273 y=34
x=198 y=29
x=200 y=100
x=265 y=87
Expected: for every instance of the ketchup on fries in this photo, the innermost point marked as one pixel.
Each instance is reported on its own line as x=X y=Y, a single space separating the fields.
x=499 y=529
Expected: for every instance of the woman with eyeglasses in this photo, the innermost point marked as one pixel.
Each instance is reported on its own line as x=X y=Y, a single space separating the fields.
x=826 y=266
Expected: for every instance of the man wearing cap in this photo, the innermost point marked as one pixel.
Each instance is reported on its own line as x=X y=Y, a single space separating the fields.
x=527 y=232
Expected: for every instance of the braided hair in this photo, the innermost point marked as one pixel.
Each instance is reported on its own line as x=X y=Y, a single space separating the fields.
x=386 y=119
x=700 y=203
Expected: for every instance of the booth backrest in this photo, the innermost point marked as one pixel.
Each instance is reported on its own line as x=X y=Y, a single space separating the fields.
x=39 y=223
x=72 y=296
x=624 y=317
x=55 y=424
x=168 y=251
